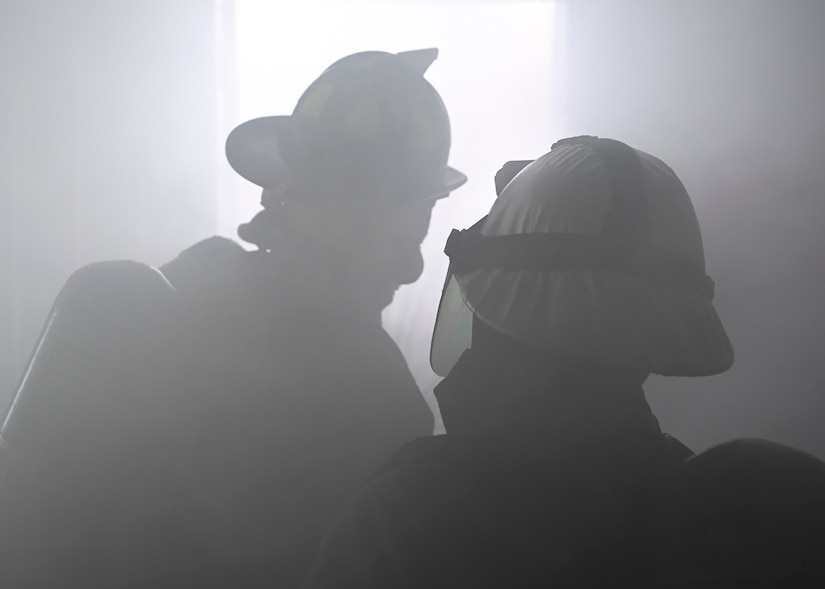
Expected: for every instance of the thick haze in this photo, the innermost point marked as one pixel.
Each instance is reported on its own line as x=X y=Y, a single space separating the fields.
x=731 y=95
x=110 y=147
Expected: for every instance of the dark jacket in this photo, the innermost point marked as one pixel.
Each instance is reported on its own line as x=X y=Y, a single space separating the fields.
x=533 y=482
x=609 y=502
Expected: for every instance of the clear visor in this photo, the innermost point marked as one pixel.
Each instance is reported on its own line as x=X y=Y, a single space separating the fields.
x=453 y=330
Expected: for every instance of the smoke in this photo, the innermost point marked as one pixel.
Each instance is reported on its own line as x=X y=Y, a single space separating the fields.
x=729 y=94
x=110 y=148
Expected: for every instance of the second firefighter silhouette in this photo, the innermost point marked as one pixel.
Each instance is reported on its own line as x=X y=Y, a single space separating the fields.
x=281 y=389
x=586 y=276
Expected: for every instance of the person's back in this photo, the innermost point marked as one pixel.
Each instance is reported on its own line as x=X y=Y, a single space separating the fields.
x=503 y=508
x=308 y=396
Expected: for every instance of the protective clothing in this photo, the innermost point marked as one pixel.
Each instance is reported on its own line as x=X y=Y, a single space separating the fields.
x=193 y=426
x=632 y=510
x=533 y=473
x=310 y=395
x=592 y=251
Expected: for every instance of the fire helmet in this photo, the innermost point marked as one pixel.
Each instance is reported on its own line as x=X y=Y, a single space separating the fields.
x=592 y=252
x=370 y=131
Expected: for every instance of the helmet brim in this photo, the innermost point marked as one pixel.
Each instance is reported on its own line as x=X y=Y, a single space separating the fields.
x=255 y=150
x=599 y=315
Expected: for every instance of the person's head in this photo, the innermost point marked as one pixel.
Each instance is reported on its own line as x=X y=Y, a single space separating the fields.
x=350 y=178
x=591 y=254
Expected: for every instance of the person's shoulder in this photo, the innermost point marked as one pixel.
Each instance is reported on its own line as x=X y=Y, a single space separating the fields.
x=213 y=245
x=747 y=509
x=206 y=266
x=206 y=251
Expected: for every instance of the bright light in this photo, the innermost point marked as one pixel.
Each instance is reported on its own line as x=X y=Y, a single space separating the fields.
x=494 y=72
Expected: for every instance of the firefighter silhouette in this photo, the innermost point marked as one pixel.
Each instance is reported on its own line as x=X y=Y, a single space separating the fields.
x=199 y=424
x=586 y=276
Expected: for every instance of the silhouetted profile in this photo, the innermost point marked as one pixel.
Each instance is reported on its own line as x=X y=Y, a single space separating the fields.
x=200 y=424
x=586 y=276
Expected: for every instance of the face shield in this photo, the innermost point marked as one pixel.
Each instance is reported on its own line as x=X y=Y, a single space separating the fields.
x=453 y=331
